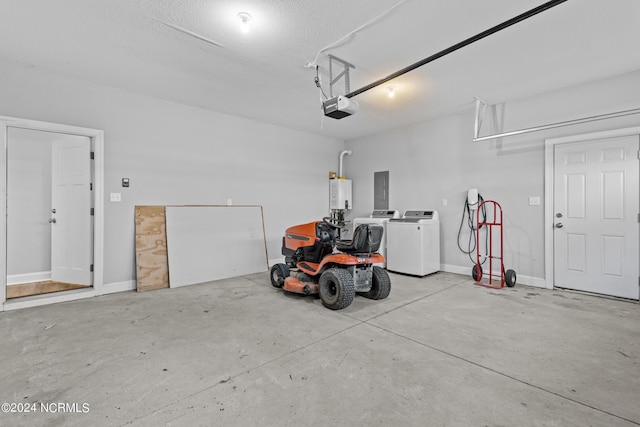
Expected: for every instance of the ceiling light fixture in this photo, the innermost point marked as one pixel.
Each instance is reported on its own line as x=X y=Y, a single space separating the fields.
x=392 y=92
x=244 y=21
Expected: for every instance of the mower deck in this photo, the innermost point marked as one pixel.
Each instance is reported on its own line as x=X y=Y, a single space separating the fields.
x=292 y=284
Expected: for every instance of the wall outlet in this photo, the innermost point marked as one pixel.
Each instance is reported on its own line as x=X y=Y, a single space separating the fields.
x=229 y=202
x=115 y=197
x=445 y=202
x=534 y=201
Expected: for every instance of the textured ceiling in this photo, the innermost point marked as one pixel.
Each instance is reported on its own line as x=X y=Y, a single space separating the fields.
x=144 y=46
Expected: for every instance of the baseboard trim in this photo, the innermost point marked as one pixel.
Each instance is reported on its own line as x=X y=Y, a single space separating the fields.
x=455 y=269
x=537 y=282
x=112 y=288
x=18 y=279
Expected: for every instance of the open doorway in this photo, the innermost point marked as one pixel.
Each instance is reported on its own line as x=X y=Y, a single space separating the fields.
x=49 y=210
x=52 y=203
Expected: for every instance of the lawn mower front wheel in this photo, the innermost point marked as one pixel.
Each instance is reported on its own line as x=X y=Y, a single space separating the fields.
x=337 y=289
x=279 y=272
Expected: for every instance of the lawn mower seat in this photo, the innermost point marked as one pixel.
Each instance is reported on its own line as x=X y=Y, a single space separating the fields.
x=366 y=239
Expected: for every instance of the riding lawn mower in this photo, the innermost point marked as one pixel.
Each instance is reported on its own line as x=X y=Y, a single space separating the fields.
x=317 y=262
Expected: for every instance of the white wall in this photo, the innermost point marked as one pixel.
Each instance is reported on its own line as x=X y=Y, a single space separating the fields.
x=28 y=202
x=436 y=160
x=177 y=154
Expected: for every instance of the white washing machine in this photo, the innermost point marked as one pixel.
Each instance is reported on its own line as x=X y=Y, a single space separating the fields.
x=413 y=243
x=379 y=217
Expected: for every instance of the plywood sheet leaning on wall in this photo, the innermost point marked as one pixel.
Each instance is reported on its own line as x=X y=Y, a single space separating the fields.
x=152 y=267
x=207 y=243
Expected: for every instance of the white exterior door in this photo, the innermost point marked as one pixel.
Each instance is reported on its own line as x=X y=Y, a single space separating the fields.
x=595 y=208
x=71 y=220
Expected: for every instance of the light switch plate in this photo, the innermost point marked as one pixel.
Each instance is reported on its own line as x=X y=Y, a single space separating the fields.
x=534 y=200
x=115 y=197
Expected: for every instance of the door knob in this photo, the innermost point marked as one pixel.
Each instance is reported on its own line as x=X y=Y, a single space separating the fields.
x=559 y=225
x=52 y=221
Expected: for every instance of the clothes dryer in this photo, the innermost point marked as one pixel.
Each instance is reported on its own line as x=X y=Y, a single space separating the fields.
x=413 y=243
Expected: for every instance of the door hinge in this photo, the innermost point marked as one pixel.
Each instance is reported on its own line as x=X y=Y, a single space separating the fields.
x=91 y=268
x=92 y=155
x=91 y=186
x=92 y=211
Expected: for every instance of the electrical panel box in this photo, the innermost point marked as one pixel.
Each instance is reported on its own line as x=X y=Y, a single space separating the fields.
x=381 y=190
x=340 y=194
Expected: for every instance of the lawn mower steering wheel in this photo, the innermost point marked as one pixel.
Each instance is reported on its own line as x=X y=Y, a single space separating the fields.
x=327 y=220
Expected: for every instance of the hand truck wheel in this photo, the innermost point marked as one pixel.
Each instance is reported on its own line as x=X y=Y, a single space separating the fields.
x=476 y=272
x=510 y=278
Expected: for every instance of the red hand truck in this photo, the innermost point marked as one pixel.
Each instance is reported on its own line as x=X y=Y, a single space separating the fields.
x=492 y=213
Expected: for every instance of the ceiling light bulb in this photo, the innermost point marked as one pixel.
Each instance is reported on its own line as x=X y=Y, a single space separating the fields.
x=392 y=92
x=244 y=21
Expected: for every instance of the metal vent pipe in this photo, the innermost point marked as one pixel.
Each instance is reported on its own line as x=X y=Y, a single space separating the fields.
x=342 y=154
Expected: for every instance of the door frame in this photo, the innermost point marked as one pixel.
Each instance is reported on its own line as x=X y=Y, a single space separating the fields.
x=97 y=142
x=549 y=150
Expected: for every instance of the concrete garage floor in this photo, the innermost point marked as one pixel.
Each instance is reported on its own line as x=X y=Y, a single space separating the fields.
x=438 y=352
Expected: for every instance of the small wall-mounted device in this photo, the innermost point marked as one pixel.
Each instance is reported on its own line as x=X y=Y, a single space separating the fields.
x=339 y=107
x=125 y=182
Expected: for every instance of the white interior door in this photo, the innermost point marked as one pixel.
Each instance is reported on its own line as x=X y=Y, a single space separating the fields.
x=596 y=206
x=71 y=224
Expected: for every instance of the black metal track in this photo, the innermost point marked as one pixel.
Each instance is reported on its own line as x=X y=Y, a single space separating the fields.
x=457 y=46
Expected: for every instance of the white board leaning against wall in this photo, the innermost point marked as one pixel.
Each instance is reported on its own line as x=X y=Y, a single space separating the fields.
x=206 y=243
